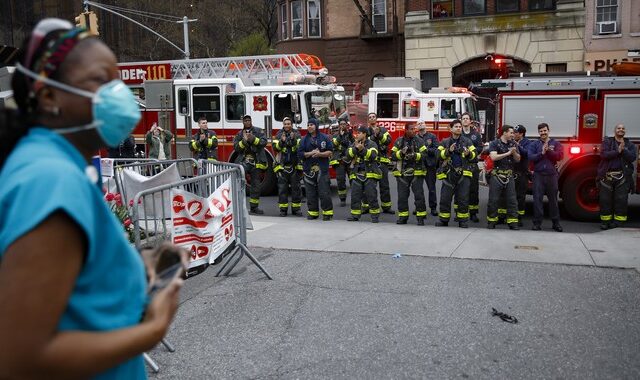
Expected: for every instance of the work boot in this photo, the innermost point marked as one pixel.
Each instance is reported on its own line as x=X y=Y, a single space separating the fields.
x=463 y=225
x=491 y=225
x=474 y=218
x=365 y=211
x=557 y=227
x=536 y=227
x=311 y=217
x=374 y=219
x=388 y=211
x=501 y=221
x=441 y=223
x=326 y=217
x=421 y=221
x=343 y=202
x=520 y=224
x=514 y=226
x=604 y=226
x=434 y=212
x=283 y=212
x=401 y=220
x=296 y=212
x=256 y=211
x=353 y=218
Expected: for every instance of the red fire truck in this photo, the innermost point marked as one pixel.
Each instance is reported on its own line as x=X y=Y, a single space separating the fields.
x=580 y=110
x=398 y=101
x=176 y=93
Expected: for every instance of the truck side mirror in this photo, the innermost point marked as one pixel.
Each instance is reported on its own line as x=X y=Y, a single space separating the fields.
x=297 y=118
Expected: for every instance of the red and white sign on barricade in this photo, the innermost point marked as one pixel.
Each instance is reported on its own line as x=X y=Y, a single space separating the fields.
x=203 y=226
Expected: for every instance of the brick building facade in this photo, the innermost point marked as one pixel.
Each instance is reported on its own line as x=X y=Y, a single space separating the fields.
x=336 y=32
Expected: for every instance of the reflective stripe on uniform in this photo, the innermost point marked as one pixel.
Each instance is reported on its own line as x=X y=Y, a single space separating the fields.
x=261 y=166
x=512 y=220
x=467 y=173
x=500 y=210
x=327 y=212
x=476 y=207
x=254 y=201
x=296 y=205
x=403 y=213
x=490 y=219
x=620 y=218
x=313 y=213
x=283 y=205
x=520 y=212
x=374 y=210
x=420 y=214
x=356 y=212
x=385 y=204
x=444 y=215
x=605 y=218
x=462 y=215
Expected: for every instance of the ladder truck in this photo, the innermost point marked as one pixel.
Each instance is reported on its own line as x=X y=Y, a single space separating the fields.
x=580 y=110
x=174 y=94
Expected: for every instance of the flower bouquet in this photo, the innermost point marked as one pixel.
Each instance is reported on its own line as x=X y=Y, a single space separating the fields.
x=122 y=212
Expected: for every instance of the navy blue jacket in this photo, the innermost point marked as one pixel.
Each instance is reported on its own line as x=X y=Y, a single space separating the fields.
x=523 y=165
x=309 y=143
x=611 y=160
x=545 y=164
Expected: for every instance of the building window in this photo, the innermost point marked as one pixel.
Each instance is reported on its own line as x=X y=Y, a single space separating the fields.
x=473 y=7
x=284 y=29
x=313 y=18
x=556 y=67
x=296 y=19
x=442 y=8
x=507 y=5
x=429 y=79
x=539 y=5
x=379 y=12
x=606 y=16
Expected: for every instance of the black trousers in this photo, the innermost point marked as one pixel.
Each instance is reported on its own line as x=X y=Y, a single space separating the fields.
x=289 y=185
x=474 y=190
x=318 y=190
x=500 y=193
x=255 y=179
x=430 y=179
x=342 y=172
x=362 y=190
x=458 y=185
x=545 y=185
x=405 y=186
x=614 y=197
x=522 y=185
x=385 y=190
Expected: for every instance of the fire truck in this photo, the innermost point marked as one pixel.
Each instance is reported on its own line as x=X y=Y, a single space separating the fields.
x=580 y=110
x=174 y=94
x=399 y=101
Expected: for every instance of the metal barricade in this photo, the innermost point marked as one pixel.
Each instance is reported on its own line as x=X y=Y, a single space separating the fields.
x=109 y=180
x=186 y=167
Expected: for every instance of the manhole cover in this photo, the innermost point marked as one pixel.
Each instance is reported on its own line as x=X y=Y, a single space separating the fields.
x=527 y=247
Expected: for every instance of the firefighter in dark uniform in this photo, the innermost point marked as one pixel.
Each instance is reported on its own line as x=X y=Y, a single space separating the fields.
x=521 y=170
x=470 y=132
x=502 y=187
x=458 y=155
x=430 y=159
x=615 y=176
x=249 y=146
x=342 y=139
x=315 y=151
x=287 y=168
x=204 y=144
x=545 y=154
x=382 y=138
x=364 y=174
x=407 y=153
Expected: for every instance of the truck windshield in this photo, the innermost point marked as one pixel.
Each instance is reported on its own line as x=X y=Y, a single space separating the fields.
x=325 y=106
x=470 y=105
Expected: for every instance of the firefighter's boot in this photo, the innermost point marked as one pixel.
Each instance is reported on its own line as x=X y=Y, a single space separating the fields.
x=421 y=221
x=402 y=220
x=374 y=218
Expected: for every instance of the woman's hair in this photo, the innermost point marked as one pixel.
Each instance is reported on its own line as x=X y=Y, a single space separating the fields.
x=45 y=56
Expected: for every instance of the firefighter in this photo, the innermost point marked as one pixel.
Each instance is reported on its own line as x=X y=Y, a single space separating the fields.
x=407 y=153
x=204 y=144
x=521 y=170
x=365 y=174
x=287 y=168
x=458 y=155
x=315 y=150
x=430 y=163
x=342 y=139
x=469 y=131
x=502 y=188
x=615 y=176
x=382 y=138
x=545 y=154
x=249 y=145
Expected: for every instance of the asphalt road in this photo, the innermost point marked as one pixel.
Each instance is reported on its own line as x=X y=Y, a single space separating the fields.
x=365 y=316
x=270 y=206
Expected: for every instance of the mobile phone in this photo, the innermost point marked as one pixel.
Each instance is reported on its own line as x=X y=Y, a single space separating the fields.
x=165 y=277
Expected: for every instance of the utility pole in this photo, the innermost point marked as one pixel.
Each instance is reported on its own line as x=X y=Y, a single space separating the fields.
x=185 y=21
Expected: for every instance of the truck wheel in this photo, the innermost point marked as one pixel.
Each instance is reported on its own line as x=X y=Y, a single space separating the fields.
x=580 y=194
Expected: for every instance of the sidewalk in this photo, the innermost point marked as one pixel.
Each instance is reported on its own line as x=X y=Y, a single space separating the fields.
x=612 y=248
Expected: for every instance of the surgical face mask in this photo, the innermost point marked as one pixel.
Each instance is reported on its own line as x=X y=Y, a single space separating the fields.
x=114 y=108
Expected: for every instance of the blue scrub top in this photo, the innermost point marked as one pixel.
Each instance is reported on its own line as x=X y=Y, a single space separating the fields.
x=45 y=174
